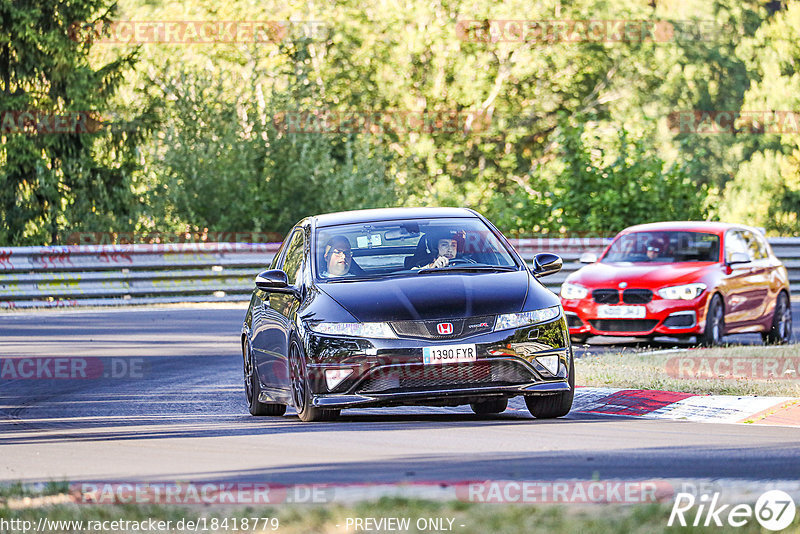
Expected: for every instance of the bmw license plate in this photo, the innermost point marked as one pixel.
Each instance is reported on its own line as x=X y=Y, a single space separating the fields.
x=448 y=354
x=621 y=312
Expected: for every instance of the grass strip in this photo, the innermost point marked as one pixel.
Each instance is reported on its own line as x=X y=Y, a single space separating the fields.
x=732 y=370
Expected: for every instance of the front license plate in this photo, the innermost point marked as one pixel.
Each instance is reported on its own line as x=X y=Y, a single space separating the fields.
x=448 y=354
x=621 y=312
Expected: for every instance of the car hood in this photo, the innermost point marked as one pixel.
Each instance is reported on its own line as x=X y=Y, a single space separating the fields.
x=433 y=296
x=638 y=274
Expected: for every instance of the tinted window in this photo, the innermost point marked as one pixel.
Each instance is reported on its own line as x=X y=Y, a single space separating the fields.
x=672 y=247
x=376 y=249
x=293 y=262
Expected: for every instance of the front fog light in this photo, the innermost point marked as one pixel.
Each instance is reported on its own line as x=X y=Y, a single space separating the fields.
x=550 y=363
x=334 y=377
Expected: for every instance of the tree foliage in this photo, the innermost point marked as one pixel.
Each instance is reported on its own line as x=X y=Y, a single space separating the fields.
x=571 y=137
x=51 y=182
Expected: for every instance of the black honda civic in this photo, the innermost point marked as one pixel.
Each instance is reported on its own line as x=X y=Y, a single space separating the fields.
x=404 y=306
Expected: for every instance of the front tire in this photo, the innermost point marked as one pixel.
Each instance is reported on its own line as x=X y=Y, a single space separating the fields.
x=557 y=405
x=252 y=388
x=781 y=331
x=301 y=394
x=715 y=323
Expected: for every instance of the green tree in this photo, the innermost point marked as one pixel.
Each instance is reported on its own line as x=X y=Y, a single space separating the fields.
x=606 y=185
x=226 y=160
x=766 y=187
x=54 y=182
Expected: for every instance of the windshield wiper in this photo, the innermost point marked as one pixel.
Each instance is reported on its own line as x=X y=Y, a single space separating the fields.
x=346 y=279
x=467 y=268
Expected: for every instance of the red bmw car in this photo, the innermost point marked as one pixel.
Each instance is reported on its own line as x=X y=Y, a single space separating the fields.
x=681 y=279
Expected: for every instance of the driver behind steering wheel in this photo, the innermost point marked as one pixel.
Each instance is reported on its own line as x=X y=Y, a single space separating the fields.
x=445 y=248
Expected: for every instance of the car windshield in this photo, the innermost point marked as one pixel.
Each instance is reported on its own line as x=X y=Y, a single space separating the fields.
x=665 y=247
x=408 y=248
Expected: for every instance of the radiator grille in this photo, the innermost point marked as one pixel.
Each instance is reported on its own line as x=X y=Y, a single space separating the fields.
x=624 y=325
x=460 y=327
x=573 y=320
x=418 y=377
x=606 y=296
x=637 y=296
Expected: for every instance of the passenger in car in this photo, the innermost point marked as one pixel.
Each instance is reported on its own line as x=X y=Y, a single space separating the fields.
x=338 y=257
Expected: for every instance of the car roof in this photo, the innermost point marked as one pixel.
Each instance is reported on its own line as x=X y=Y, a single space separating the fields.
x=389 y=214
x=712 y=227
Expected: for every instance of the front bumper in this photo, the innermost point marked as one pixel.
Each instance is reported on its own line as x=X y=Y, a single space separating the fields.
x=391 y=371
x=445 y=397
x=662 y=317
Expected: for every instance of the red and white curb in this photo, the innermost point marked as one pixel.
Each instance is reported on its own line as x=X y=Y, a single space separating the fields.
x=784 y=411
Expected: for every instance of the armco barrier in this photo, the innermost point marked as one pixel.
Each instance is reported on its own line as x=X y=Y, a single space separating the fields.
x=129 y=274
x=92 y=275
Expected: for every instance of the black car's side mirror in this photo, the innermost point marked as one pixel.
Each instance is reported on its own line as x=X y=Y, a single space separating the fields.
x=738 y=257
x=545 y=264
x=275 y=281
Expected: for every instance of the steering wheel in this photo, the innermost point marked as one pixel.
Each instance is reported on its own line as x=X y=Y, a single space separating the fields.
x=461 y=260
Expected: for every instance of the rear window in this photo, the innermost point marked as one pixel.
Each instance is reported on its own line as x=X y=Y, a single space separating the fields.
x=378 y=249
x=669 y=247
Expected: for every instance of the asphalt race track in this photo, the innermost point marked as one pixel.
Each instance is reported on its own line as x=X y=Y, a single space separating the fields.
x=167 y=403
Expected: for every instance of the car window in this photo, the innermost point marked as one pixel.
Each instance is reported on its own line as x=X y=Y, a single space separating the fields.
x=762 y=241
x=667 y=246
x=756 y=249
x=293 y=262
x=734 y=242
x=383 y=248
x=277 y=260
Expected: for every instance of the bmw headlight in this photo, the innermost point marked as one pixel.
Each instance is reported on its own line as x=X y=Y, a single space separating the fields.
x=573 y=291
x=374 y=330
x=515 y=320
x=684 y=292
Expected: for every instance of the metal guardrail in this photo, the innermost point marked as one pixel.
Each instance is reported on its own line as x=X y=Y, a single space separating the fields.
x=92 y=275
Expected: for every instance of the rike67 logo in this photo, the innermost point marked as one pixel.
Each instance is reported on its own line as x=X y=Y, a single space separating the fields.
x=774 y=510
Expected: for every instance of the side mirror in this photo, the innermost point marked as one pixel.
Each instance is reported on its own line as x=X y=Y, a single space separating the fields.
x=738 y=257
x=545 y=264
x=588 y=257
x=274 y=281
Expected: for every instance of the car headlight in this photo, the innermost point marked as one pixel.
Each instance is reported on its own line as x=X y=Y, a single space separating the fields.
x=515 y=320
x=573 y=291
x=684 y=292
x=374 y=330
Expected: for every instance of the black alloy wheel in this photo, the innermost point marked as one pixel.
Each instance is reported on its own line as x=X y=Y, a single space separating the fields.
x=715 y=323
x=558 y=405
x=301 y=395
x=781 y=331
